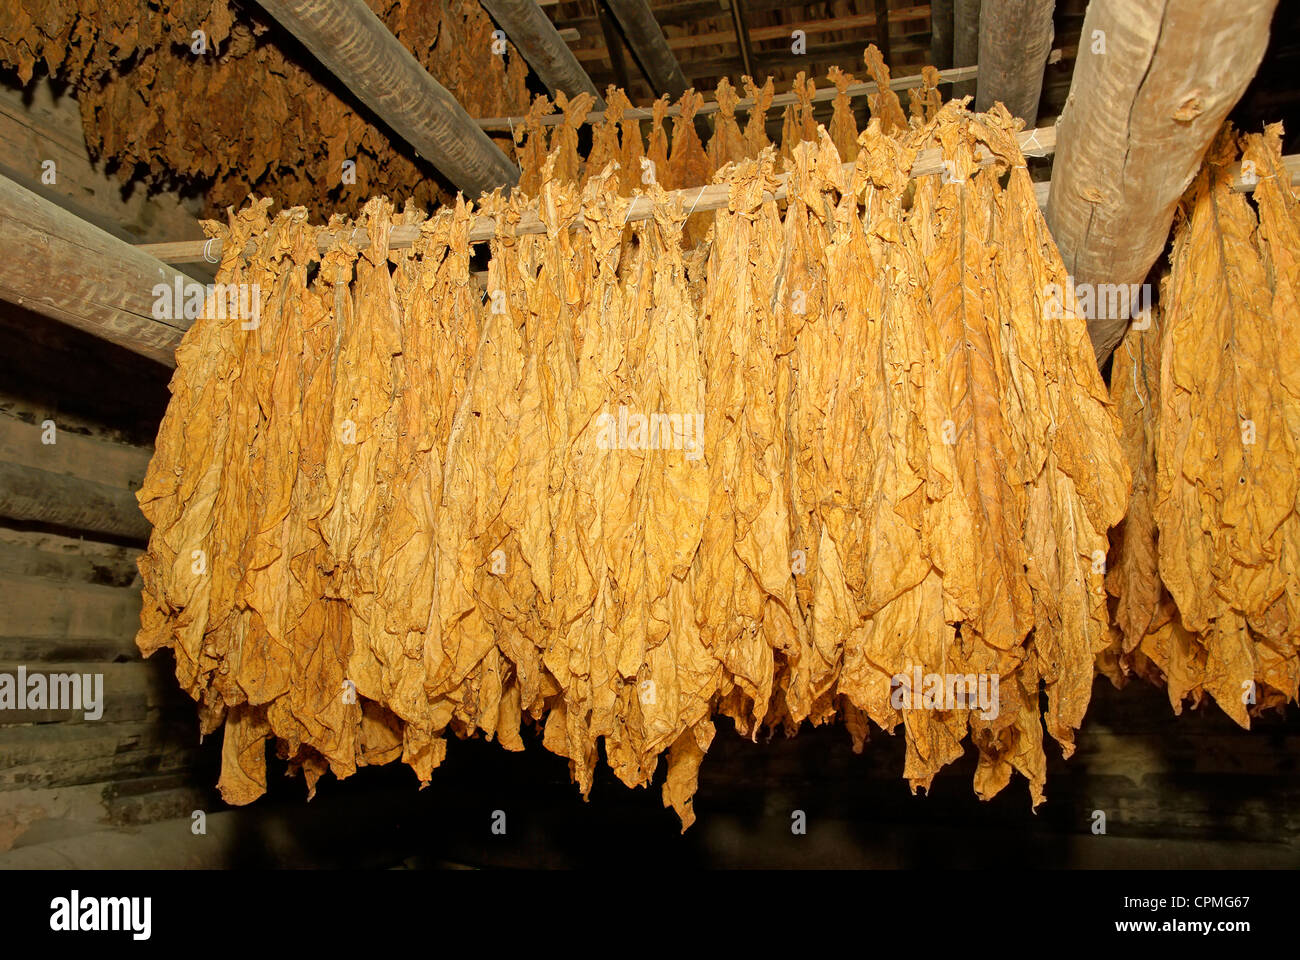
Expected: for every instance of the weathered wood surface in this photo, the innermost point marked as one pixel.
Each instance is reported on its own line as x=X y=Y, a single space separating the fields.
x=58 y=265
x=72 y=453
x=1015 y=39
x=531 y=31
x=1153 y=82
x=131 y=691
x=651 y=50
x=965 y=42
x=354 y=45
x=32 y=495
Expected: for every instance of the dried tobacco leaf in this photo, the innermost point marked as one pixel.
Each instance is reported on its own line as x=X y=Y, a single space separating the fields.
x=627 y=488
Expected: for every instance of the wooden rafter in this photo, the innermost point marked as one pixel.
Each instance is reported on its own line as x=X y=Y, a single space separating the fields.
x=613 y=46
x=781 y=31
x=742 y=35
x=531 y=31
x=356 y=47
x=62 y=267
x=648 y=45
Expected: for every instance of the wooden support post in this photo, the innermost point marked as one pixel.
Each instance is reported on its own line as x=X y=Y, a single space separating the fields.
x=742 y=35
x=614 y=47
x=1015 y=39
x=356 y=47
x=58 y=265
x=965 y=41
x=882 y=30
x=532 y=32
x=1152 y=85
x=648 y=45
x=941 y=34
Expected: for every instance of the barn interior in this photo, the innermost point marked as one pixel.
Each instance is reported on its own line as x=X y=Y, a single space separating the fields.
x=127 y=124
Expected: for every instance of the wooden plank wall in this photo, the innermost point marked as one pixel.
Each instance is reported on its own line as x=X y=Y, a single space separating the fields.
x=71 y=597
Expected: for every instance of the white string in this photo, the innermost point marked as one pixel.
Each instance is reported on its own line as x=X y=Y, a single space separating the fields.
x=693 y=205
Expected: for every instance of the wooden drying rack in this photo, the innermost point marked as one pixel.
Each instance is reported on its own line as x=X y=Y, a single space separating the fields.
x=1033 y=143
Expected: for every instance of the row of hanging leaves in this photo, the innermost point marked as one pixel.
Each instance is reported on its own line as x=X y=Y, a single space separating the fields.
x=418 y=519
x=1206 y=566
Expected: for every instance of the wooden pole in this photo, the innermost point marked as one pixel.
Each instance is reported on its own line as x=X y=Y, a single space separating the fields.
x=532 y=32
x=613 y=47
x=1152 y=85
x=356 y=47
x=1015 y=39
x=1033 y=143
x=648 y=45
x=62 y=267
x=965 y=42
x=941 y=34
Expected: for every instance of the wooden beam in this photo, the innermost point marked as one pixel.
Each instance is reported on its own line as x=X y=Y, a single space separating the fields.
x=941 y=34
x=1152 y=86
x=356 y=47
x=532 y=32
x=31 y=495
x=614 y=47
x=41 y=139
x=742 y=35
x=1015 y=39
x=59 y=266
x=965 y=42
x=647 y=43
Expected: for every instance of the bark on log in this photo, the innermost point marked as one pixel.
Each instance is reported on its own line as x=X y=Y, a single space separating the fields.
x=60 y=266
x=1015 y=39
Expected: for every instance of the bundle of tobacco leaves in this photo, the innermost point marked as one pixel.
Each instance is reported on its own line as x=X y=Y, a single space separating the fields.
x=1206 y=563
x=823 y=464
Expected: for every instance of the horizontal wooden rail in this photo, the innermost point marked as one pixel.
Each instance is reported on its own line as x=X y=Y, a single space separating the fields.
x=1033 y=143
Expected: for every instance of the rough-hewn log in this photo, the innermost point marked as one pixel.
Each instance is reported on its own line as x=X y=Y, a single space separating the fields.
x=77 y=482
x=649 y=47
x=1015 y=39
x=62 y=755
x=131 y=691
x=38 y=609
x=532 y=32
x=1152 y=84
x=356 y=47
x=58 y=265
x=30 y=494
x=965 y=41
